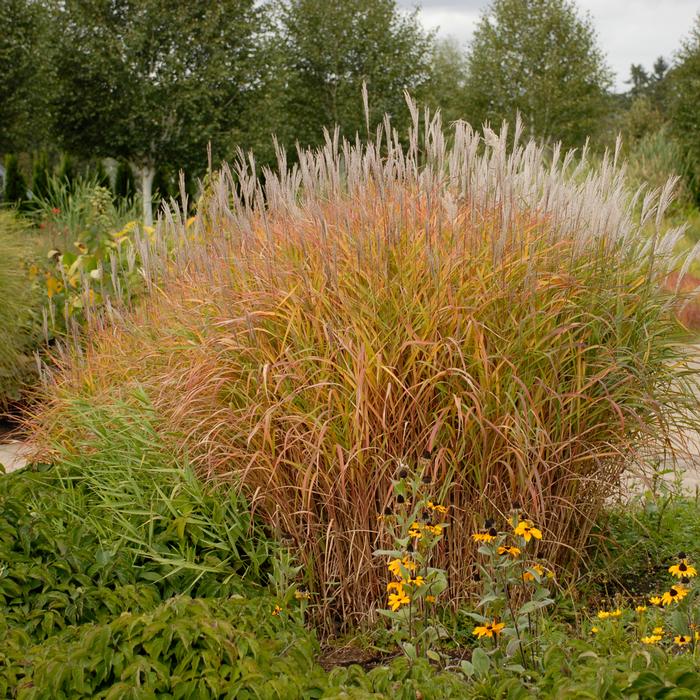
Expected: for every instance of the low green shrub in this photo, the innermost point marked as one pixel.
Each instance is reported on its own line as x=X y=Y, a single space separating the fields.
x=183 y=648
x=632 y=544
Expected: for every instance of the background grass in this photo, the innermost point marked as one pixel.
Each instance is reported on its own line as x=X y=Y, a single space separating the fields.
x=20 y=316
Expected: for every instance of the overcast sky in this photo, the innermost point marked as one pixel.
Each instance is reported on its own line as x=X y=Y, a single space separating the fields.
x=629 y=31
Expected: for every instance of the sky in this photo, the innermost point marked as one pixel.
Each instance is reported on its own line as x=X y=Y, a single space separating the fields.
x=629 y=31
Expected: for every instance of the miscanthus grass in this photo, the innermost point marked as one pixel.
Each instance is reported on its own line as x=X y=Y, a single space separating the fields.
x=500 y=308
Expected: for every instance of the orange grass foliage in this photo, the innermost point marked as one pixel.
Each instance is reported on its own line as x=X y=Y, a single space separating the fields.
x=366 y=309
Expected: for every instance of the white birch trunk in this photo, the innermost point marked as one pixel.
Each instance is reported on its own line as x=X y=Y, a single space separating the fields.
x=147 y=174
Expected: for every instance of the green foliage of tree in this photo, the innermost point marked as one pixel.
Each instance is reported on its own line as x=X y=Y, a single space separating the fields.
x=331 y=47
x=684 y=89
x=152 y=81
x=539 y=58
x=15 y=184
x=40 y=174
x=446 y=90
x=23 y=76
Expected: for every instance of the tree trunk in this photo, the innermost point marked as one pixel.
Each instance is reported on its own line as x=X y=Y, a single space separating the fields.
x=147 y=174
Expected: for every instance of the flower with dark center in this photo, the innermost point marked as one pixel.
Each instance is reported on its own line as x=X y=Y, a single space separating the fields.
x=403 y=473
x=400 y=498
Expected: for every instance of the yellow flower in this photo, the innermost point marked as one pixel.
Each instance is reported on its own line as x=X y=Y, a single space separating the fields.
x=655 y=600
x=430 y=599
x=683 y=569
x=605 y=614
x=527 y=531
x=53 y=286
x=277 y=611
x=528 y=576
x=437 y=507
x=652 y=639
x=396 y=600
x=417 y=581
x=681 y=640
x=506 y=549
x=395 y=567
x=414 y=531
x=435 y=529
x=483 y=536
x=489 y=629
x=302 y=595
x=594 y=630
x=640 y=608
x=658 y=630
x=395 y=586
x=673 y=595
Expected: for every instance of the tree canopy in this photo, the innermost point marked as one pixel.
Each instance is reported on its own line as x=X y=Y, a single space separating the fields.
x=538 y=58
x=151 y=81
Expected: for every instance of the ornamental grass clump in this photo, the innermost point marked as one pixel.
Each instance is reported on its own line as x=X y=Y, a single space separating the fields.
x=500 y=308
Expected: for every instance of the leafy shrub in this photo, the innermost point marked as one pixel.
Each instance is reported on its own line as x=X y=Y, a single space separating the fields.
x=15 y=184
x=184 y=648
x=499 y=310
x=92 y=258
x=19 y=310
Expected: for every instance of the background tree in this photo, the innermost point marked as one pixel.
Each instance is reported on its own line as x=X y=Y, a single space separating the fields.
x=684 y=88
x=539 y=58
x=332 y=46
x=446 y=89
x=23 y=76
x=151 y=81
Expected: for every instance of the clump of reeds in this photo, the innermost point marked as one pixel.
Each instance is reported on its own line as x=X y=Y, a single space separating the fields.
x=495 y=311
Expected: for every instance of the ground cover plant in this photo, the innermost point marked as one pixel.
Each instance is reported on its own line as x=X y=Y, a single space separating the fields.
x=497 y=309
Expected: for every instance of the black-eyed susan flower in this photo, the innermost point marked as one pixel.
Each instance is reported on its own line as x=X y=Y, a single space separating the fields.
x=658 y=631
x=395 y=566
x=276 y=611
x=683 y=569
x=430 y=599
x=681 y=640
x=302 y=595
x=594 y=630
x=417 y=581
x=434 y=529
x=396 y=600
x=673 y=595
x=651 y=639
x=489 y=629
x=487 y=535
x=415 y=531
x=640 y=608
x=437 y=507
x=655 y=600
x=527 y=531
x=508 y=549
x=529 y=576
x=394 y=586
